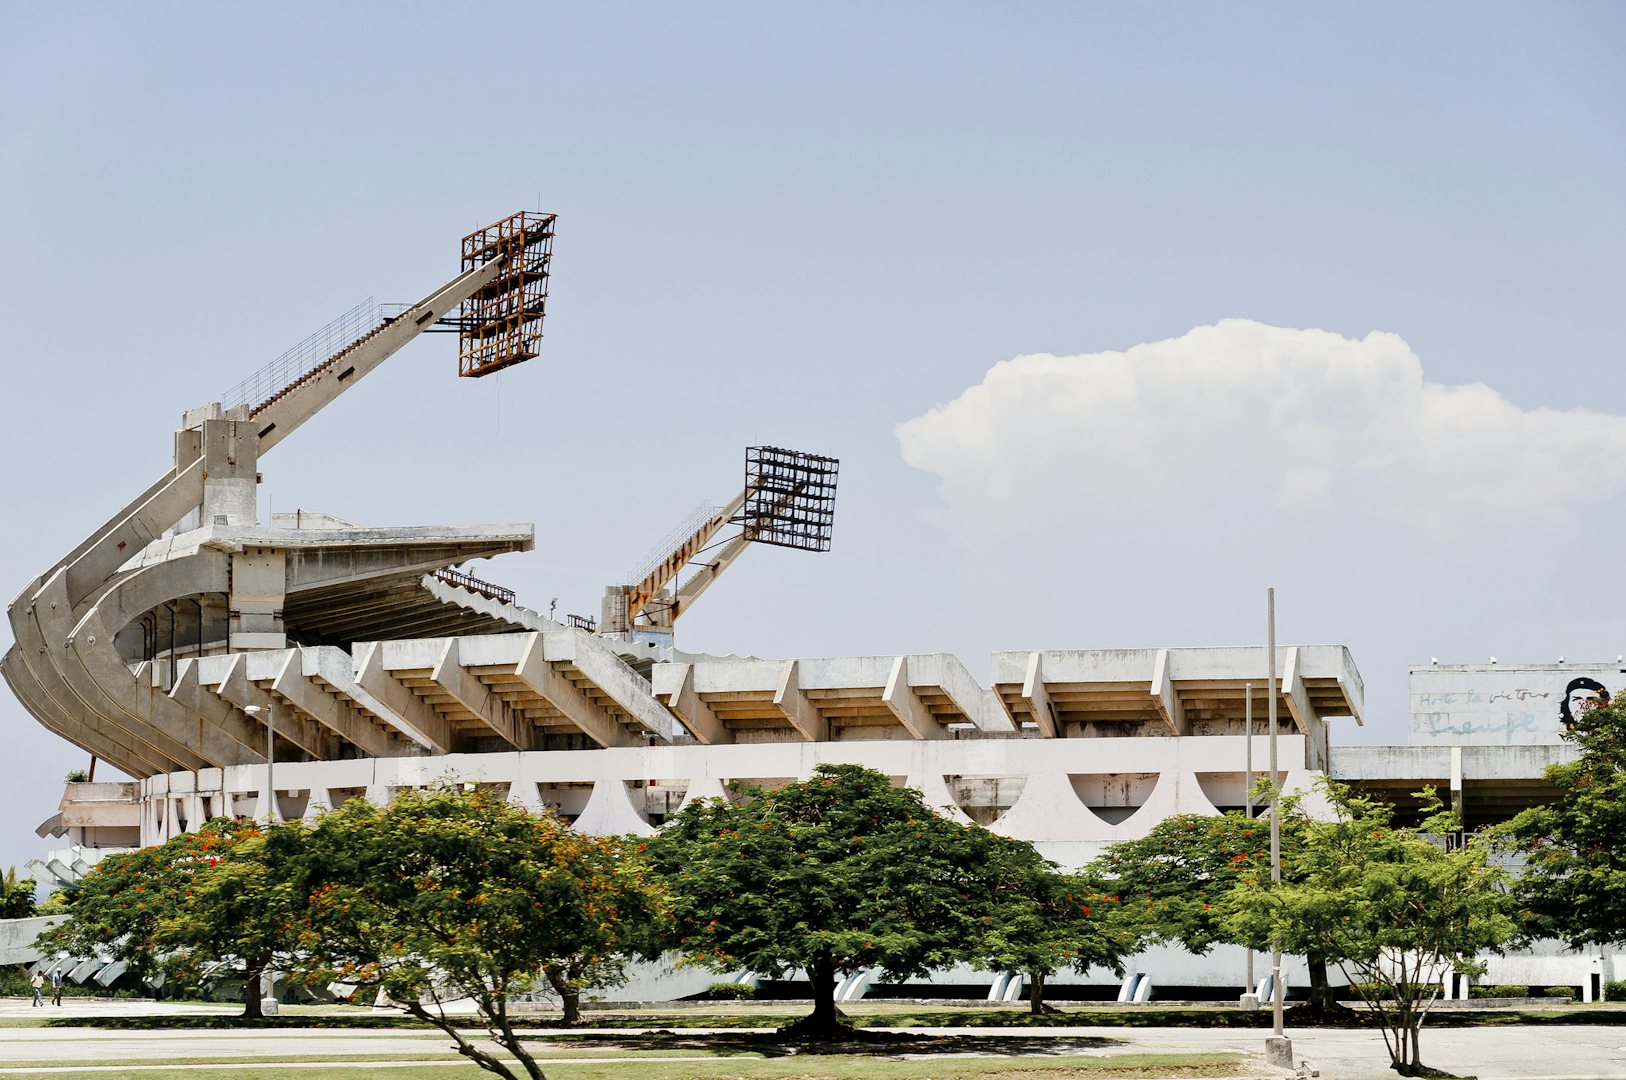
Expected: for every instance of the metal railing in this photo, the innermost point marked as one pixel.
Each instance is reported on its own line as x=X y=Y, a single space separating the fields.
x=475 y=585
x=309 y=354
x=689 y=526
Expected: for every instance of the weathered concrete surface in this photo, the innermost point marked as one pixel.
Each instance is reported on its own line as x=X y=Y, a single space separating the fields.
x=17 y=938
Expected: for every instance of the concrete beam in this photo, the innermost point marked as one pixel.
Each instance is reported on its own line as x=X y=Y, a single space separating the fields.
x=407 y=710
x=551 y=684
x=795 y=706
x=607 y=671
x=285 y=413
x=333 y=667
x=100 y=671
x=1298 y=699
x=190 y=693
x=1037 y=697
x=294 y=686
x=477 y=698
x=84 y=731
x=688 y=706
x=234 y=687
x=1168 y=702
x=983 y=707
x=901 y=700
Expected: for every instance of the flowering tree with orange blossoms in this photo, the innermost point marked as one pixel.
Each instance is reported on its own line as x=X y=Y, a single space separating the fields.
x=446 y=895
x=204 y=897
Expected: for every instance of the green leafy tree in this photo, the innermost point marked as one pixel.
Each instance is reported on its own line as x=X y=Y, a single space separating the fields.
x=1044 y=921
x=16 y=896
x=1396 y=908
x=1573 y=885
x=1174 y=885
x=162 y=909
x=240 y=909
x=444 y=895
x=832 y=875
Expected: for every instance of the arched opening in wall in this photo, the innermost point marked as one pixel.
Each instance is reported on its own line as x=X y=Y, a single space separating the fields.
x=291 y=804
x=661 y=798
x=568 y=800
x=340 y=795
x=1114 y=797
x=1228 y=790
x=738 y=788
x=984 y=799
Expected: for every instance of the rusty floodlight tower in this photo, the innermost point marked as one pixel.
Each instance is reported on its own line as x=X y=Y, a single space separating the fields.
x=790 y=498
x=789 y=501
x=500 y=324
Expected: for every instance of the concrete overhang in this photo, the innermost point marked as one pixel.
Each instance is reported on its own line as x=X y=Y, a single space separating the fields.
x=1178 y=687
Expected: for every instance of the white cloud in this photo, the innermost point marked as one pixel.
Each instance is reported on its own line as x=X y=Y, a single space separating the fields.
x=1282 y=422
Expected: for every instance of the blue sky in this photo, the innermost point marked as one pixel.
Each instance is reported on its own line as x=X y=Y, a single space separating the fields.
x=811 y=225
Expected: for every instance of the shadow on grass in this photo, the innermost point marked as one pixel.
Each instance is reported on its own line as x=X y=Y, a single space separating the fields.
x=851 y=1041
x=859 y=1029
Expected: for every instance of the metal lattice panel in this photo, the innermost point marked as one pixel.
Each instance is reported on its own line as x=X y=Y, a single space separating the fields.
x=790 y=498
x=501 y=324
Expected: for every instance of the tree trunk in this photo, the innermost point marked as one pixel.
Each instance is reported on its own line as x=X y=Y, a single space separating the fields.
x=822 y=976
x=1036 y=993
x=570 y=995
x=251 y=993
x=486 y=1061
x=1321 y=996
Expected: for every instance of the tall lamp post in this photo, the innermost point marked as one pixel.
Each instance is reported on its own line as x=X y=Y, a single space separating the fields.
x=1250 y=994
x=1278 y=1048
x=268 y=980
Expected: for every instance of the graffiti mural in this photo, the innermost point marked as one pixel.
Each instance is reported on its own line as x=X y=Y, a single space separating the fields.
x=1580 y=695
x=1480 y=705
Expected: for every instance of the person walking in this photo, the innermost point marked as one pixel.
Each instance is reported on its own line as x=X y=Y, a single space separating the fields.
x=56 y=987
x=36 y=982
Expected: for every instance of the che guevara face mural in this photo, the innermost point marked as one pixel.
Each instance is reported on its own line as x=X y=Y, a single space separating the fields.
x=1580 y=695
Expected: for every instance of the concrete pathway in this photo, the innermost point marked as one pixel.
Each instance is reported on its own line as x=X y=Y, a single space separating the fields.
x=1576 y=1052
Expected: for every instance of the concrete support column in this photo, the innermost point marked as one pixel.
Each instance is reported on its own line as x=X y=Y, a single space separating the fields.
x=259 y=588
x=1456 y=783
x=230 y=451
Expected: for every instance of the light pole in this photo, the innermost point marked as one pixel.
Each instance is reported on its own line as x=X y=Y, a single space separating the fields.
x=1278 y=1048
x=1250 y=996
x=268 y=979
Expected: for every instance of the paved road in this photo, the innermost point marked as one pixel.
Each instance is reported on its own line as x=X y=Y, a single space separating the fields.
x=1499 y=1053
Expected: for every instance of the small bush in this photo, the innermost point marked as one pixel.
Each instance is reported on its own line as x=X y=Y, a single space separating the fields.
x=731 y=991
x=1511 y=991
x=1614 y=990
x=1560 y=991
x=77 y=776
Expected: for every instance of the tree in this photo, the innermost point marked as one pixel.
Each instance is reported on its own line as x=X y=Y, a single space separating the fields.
x=16 y=896
x=1395 y=908
x=241 y=909
x=144 y=908
x=833 y=875
x=1175 y=884
x=1044 y=921
x=1573 y=885
x=445 y=893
